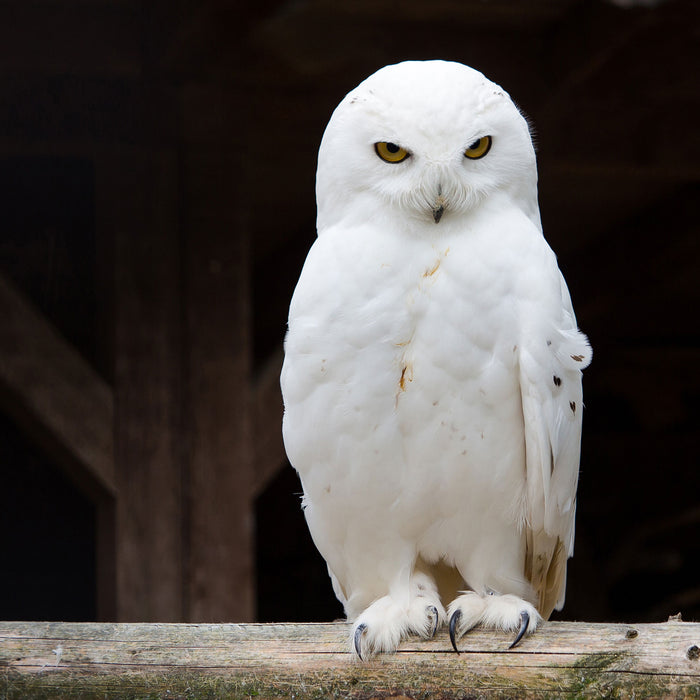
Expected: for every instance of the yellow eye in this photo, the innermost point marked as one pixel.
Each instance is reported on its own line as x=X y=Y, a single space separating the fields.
x=390 y=152
x=479 y=148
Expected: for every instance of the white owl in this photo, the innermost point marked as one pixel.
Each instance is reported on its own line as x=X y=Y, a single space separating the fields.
x=432 y=373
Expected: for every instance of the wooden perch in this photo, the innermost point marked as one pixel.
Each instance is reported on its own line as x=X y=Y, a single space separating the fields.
x=563 y=659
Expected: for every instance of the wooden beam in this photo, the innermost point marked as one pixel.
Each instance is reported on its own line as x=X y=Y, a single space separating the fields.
x=563 y=659
x=54 y=394
x=61 y=402
x=137 y=204
x=220 y=557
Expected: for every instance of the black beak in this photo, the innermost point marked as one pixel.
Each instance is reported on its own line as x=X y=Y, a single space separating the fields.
x=437 y=213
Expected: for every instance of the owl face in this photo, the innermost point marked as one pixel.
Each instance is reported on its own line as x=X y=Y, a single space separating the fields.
x=425 y=142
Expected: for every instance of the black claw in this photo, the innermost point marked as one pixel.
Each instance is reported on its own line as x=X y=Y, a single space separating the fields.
x=434 y=612
x=524 y=623
x=456 y=615
x=358 y=639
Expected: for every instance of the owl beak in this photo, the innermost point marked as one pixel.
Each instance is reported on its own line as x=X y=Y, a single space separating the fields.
x=439 y=207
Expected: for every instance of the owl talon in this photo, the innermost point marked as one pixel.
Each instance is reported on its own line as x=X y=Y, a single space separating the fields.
x=456 y=615
x=524 y=624
x=358 y=639
x=434 y=612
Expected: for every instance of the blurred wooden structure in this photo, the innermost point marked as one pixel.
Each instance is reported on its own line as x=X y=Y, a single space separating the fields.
x=313 y=660
x=198 y=124
x=174 y=521
x=166 y=448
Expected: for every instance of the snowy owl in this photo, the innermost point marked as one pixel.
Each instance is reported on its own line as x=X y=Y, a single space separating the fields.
x=432 y=372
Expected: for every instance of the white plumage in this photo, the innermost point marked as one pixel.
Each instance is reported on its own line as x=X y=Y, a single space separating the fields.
x=432 y=374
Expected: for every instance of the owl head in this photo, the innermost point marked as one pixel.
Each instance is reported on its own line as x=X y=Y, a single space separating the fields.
x=424 y=144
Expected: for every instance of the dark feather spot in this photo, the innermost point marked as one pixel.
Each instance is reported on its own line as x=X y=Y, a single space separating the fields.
x=557 y=380
x=549 y=342
x=572 y=406
x=577 y=358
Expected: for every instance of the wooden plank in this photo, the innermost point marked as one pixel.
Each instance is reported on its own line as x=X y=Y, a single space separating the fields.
x=563 y=659
x=54 y=394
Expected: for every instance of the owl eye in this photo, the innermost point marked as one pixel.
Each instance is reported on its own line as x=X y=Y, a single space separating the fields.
x=479 y=148
x=390 y=152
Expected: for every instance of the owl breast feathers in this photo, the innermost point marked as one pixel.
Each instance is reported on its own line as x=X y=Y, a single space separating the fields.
x=432 y=373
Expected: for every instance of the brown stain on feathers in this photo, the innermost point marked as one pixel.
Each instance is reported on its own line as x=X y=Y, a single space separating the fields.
x=433 y=269
x=406 y=376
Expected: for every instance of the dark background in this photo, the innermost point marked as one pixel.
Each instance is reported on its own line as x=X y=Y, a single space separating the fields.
x=236 y=95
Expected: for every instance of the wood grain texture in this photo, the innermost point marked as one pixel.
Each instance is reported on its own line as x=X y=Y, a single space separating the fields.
x=563 y=659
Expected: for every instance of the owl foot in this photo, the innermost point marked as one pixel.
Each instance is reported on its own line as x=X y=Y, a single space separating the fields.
x=524 y=624
x=436 y=619
x=357 y=639
x=505 y=612
x=385 y=623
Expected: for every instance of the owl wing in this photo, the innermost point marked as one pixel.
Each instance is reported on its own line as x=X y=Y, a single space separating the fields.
x=550 y=385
